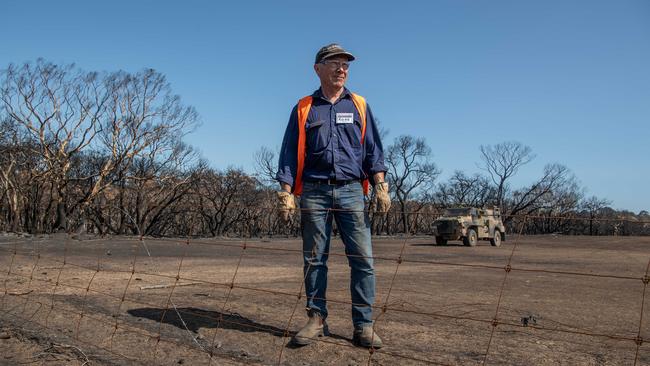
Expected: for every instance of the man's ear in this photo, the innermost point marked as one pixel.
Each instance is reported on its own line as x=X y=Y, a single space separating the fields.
x=317 y=69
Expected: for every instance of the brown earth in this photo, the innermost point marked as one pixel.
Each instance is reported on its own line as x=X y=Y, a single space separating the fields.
x=580 y=297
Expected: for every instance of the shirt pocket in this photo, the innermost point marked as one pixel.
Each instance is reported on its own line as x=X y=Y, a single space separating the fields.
x=317 y=135
x=352 y=133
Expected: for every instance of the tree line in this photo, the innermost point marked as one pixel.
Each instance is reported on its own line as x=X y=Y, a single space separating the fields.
x=104 y=152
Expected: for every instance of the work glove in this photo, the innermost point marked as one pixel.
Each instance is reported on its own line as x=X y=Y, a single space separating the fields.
x=286 y=205
x=382 y=196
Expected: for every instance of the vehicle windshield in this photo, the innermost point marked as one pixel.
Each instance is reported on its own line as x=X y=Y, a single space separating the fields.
x=458 y=211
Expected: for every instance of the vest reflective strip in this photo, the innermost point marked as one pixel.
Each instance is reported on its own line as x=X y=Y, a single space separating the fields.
x=304 y=105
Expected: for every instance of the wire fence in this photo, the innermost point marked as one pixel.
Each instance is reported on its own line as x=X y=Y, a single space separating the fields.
x=86 y=291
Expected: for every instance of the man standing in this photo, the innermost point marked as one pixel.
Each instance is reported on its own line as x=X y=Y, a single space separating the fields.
x=330 y=152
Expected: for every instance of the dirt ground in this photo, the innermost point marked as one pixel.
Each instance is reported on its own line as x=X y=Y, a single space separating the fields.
x=105 y=301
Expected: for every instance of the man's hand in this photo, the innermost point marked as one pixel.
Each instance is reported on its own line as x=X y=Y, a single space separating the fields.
x=286 y=205
x=383 y=198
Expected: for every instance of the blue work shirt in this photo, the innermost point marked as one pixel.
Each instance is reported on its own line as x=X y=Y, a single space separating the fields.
x=334 y=150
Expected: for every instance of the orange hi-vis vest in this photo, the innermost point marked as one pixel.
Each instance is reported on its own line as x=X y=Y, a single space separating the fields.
x=304 y=105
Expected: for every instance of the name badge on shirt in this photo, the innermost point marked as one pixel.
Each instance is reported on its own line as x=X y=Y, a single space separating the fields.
x=344 y=118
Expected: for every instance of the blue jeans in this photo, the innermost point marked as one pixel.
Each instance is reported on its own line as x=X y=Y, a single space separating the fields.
x=354 y=228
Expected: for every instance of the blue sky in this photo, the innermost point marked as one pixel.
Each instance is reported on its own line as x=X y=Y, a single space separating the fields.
x=571 y=79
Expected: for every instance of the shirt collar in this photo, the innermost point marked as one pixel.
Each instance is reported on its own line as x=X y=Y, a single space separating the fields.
x=319 y=94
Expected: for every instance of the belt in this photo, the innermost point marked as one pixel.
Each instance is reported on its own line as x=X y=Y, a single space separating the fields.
x=333 y=181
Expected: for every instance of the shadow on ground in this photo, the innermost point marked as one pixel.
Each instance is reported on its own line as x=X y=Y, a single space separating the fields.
x=195 y=318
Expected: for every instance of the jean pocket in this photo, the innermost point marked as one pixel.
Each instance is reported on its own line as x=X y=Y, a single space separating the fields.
x=309 y=187
x=354 y=187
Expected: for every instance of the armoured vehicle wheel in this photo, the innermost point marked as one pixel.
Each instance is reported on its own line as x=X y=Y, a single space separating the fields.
x=471 y=238
x=440 y=240
x=496 y=241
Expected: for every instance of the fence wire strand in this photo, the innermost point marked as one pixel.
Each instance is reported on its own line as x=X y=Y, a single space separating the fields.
x=507 y=269
x=639 y=339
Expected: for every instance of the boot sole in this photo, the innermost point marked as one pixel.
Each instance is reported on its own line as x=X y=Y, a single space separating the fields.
x=358 y=343
x=303 y=341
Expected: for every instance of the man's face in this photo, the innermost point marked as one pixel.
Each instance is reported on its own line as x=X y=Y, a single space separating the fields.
x=333 y=72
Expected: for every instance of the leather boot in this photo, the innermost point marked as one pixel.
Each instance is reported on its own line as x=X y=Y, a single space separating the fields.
x=365 y=336
x=315 y=327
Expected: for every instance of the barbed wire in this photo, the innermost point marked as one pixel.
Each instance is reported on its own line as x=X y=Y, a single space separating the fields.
x=33 y=295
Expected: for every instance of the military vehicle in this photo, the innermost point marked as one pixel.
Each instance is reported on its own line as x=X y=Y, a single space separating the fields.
x=470 y=224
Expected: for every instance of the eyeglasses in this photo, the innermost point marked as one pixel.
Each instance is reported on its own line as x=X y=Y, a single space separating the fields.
x=335 y=65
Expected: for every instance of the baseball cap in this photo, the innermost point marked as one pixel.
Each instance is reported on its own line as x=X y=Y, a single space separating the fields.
x=332 y=50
